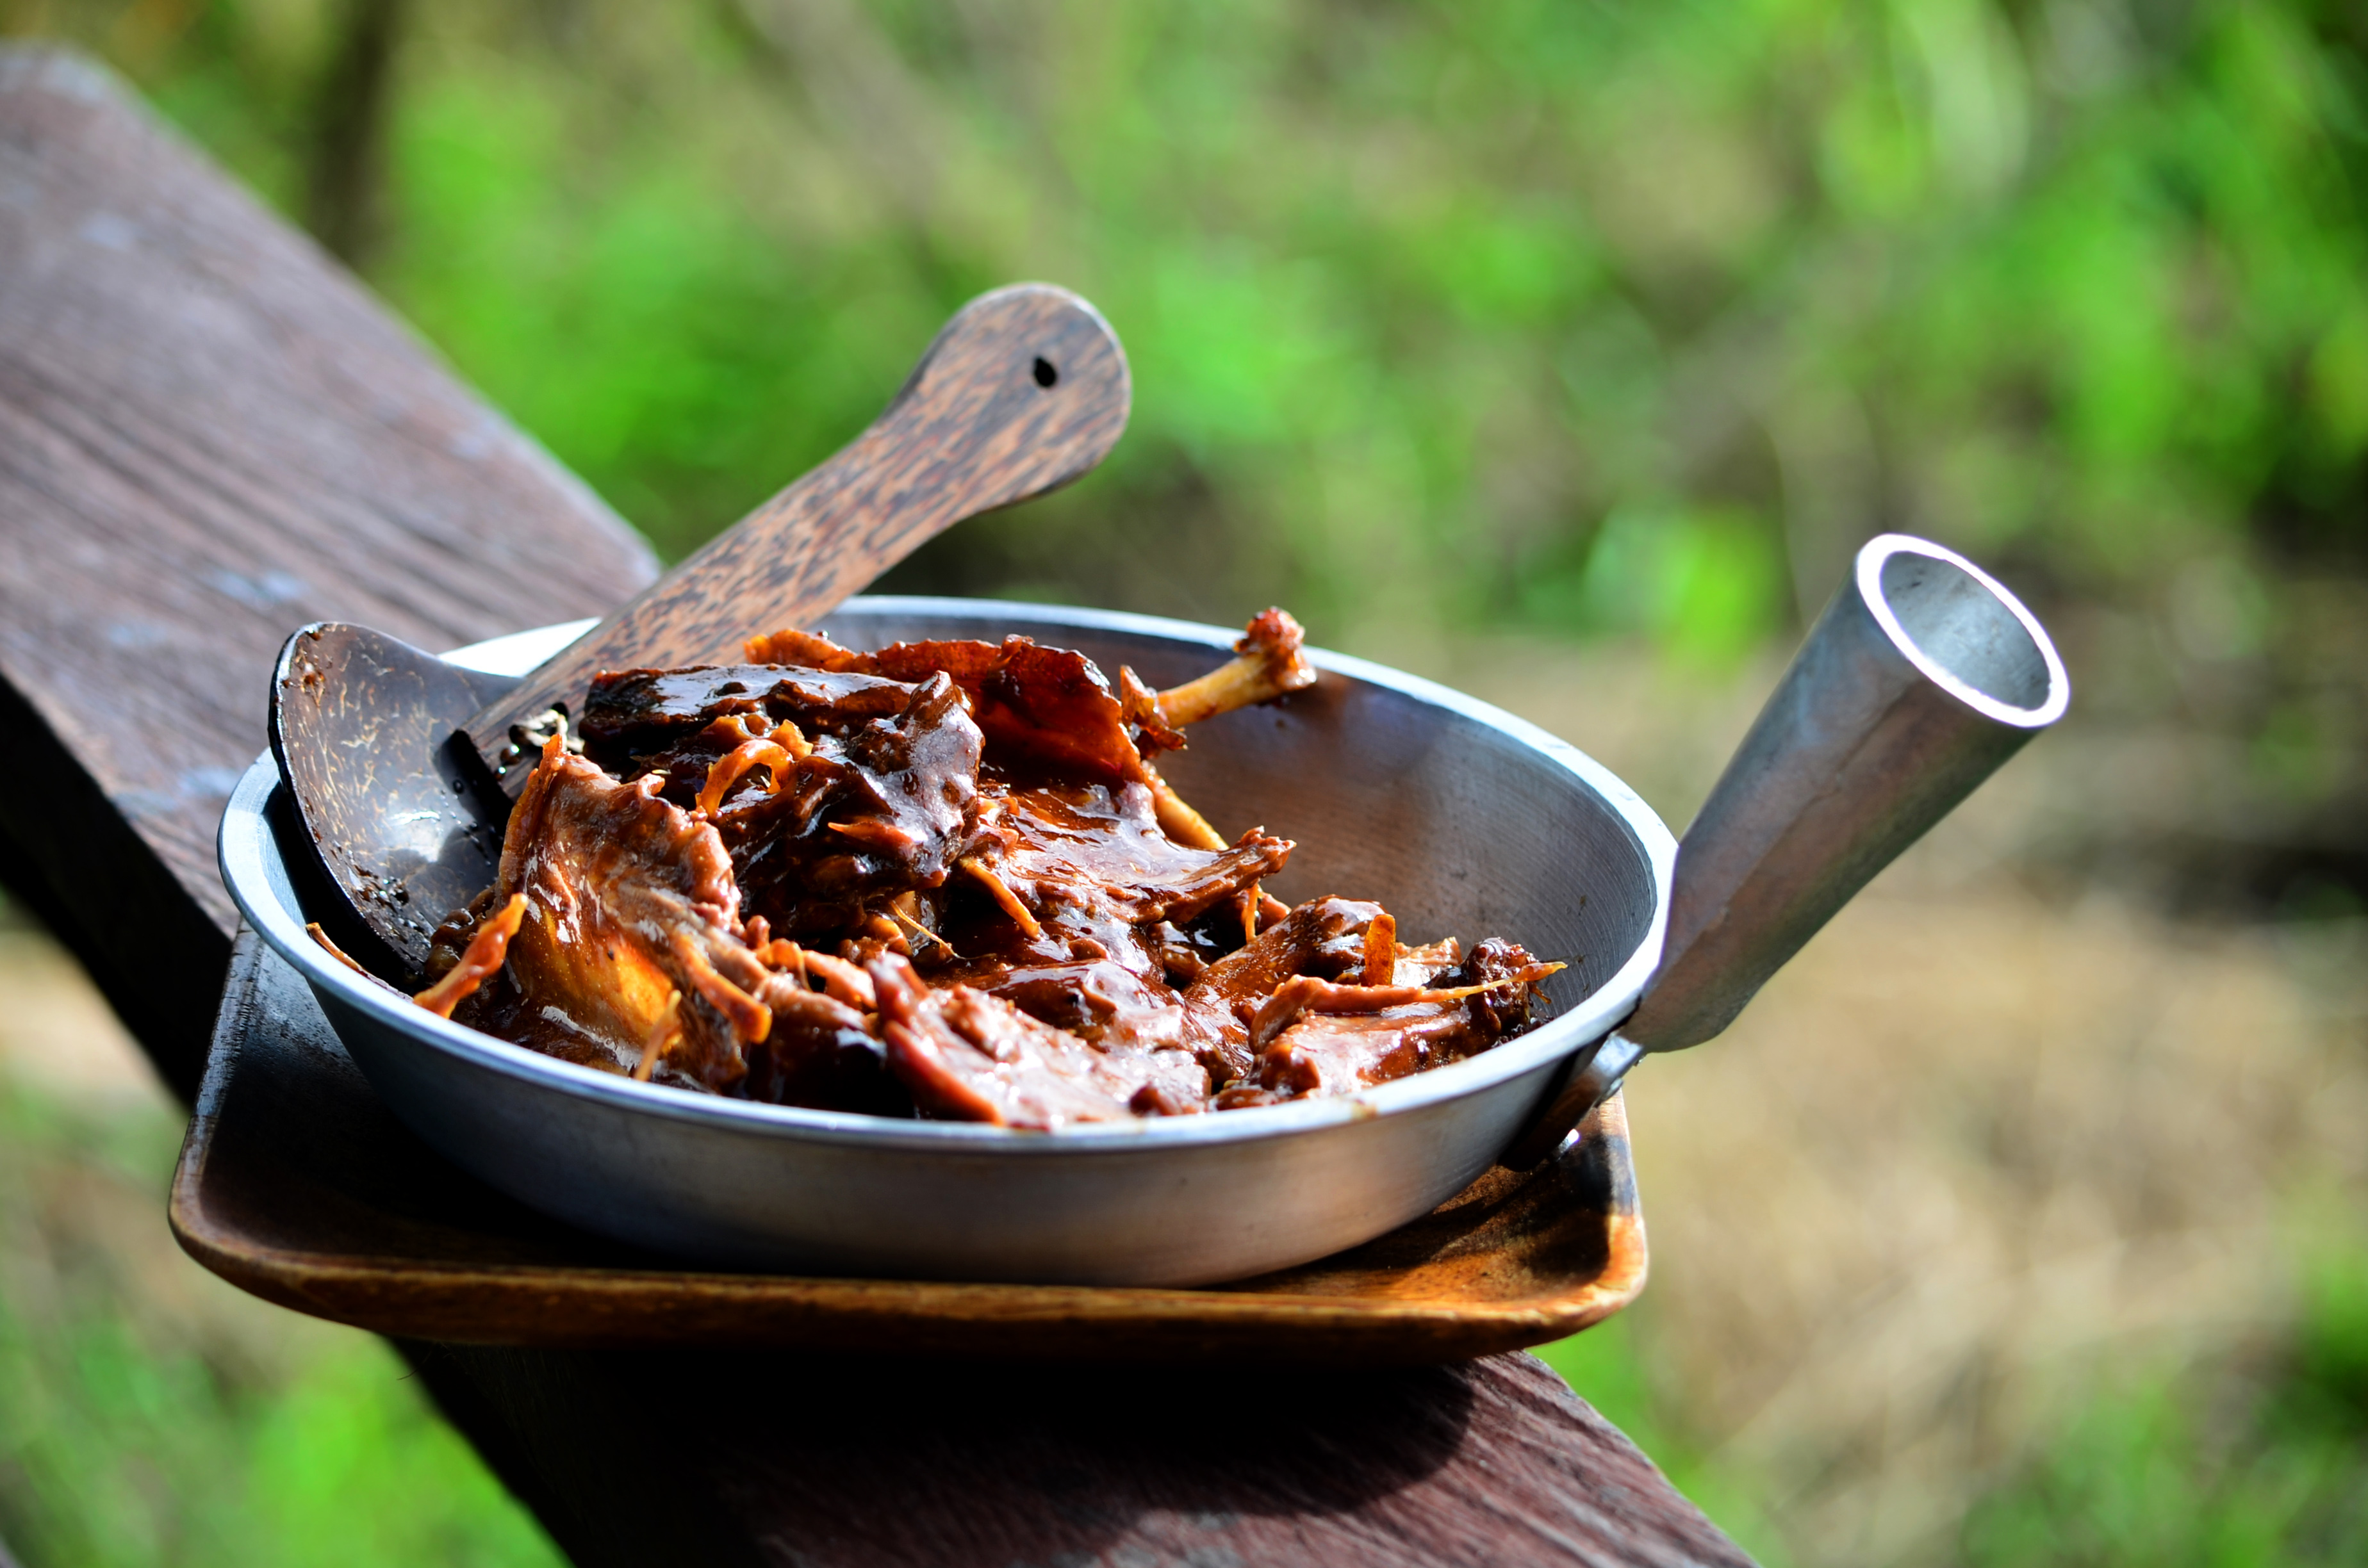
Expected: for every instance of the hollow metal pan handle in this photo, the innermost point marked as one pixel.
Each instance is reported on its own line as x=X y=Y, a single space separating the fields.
x=1922 y=676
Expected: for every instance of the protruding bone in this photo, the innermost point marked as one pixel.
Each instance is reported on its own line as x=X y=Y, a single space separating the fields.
x=1269 y=666
x=1179 y=820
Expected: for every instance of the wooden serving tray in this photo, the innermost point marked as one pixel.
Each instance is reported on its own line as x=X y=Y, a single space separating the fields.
x=297 y=1184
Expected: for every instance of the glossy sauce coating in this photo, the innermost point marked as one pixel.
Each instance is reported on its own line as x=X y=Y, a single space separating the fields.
x=945 y=878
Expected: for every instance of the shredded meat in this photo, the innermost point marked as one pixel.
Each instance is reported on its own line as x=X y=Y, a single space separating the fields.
x=630 y=925
x=488 y=948
x=1315 y=1035
x=940 y=878
x=972 y=1057
x=828 y=789
x=630 y=954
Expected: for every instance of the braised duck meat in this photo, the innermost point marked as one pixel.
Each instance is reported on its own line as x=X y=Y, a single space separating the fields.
x=631 y=943
x=1088 y=903
x=972 y=1057
x=940 y=878
x=1325 y=938
x=1049 y=706
x=631 y=955
x=827 y=789
x=1314 y=1035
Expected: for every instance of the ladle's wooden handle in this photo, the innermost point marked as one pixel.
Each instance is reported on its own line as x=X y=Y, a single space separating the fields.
x=1024 y=391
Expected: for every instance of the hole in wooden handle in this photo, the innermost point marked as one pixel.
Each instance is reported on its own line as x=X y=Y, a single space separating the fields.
x=1045 y=374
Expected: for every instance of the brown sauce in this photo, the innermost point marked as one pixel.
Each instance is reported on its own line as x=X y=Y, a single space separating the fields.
x=944 y=880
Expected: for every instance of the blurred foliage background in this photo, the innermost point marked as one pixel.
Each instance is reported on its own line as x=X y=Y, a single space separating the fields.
x=1581 y=338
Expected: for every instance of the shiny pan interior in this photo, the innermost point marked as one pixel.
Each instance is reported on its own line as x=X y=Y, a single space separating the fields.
x=1462 y=820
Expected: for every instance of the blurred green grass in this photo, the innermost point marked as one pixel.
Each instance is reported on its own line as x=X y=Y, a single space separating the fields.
x=1423 y=301
x=1574 y=321
x=2244 y=1461
x=2244 y=1465
x=144 y=1419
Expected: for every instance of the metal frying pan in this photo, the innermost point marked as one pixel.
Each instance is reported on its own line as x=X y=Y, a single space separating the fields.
x=1462 y=819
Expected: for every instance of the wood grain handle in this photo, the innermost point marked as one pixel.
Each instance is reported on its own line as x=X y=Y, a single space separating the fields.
x=1025 y=389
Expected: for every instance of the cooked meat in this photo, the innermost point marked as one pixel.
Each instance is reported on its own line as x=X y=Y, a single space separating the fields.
x=630 y=943
x=632 y=714
x=940 y=878
x=1316 y=1036
x=1085 y=900
x=832 y=790
x=882 y=810
x=631 y=955
x=1043 y=709
x=972 y=1057
x=1101 y=847
x=822 y=1053
x=488 y=950
x=1324 y=937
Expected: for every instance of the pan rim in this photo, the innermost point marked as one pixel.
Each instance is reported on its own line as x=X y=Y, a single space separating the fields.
x=247 y=856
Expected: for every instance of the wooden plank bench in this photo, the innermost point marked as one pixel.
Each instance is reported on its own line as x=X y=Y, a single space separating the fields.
x=209 y=434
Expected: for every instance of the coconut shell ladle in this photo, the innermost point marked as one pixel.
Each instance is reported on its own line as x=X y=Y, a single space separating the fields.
x=398 y=766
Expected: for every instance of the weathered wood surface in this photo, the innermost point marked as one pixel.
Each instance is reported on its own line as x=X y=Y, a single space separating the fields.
x=1025 y=389
x=206 y=435
x=299 y=1184
x=861 y=1463
x=209 y=435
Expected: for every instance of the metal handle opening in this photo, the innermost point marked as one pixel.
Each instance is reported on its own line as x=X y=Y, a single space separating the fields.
x=1961 y=626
